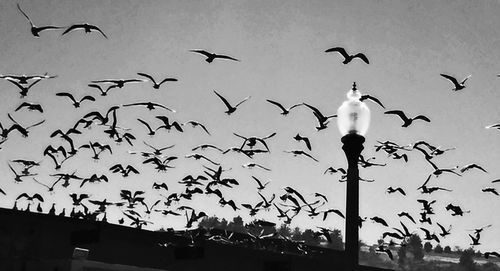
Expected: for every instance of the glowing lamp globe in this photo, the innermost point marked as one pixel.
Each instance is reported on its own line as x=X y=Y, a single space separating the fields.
x=353 y=116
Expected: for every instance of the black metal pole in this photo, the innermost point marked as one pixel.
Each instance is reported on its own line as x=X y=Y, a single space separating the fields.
x=353 y=145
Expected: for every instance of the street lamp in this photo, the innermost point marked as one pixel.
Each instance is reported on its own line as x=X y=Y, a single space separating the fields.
x=353 y=120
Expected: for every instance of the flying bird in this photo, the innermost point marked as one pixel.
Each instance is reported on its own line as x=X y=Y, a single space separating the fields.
x=379 y=220
x=301 y=152
x=347 y=57
x=211 y=56
x=35 y=30
x=87 y=27
x=306 y=140
x=457 y=85
x=23 y=89
x=391 y=190
x=76 y=103
x=230 y=109
x=101 y=90
x=196 y=124
x=30 y=106
x=490 y=189
x=322 y=119
x=471 y=166
x=371 y=98
x=261 y=185
x=150 y=106
x=407 y=121
x=284 y=111
x=157 y=85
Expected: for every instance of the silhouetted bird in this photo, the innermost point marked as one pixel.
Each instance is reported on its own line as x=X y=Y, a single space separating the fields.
x=457 y=85
x=347 y=57
x=407 y=121
x=101 y=90
x=157 y=85
x=211 y=56
x=35 y=30
x=30 y=106
x=76 y=103
x=391 y=190
x=371 y=98
x=379 y=220
x=322 y=119
x=284 y=111
x=87 y=27
x=230 y=108
x=491 y=190
x=306 y=140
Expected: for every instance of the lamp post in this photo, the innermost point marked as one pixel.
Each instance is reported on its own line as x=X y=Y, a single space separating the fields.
x=353 y=120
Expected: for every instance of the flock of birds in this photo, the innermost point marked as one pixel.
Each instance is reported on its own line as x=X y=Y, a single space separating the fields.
x=215 y=181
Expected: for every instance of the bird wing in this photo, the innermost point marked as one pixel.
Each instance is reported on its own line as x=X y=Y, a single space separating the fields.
x=278 y=105
x=65 y=94
x=25 y=15
x=73 y=27
x=98 y=29
x=228 y=105
x=146 y=124
x=22 y=105
x=226 y=57
x=362 y=57
x=451 y=78
x=242 y=101
x=87 y=97
x=371 y=98
x=422 y=117
x=167 y=80
x=400 y=113
x=203 y=52
x=340 y=50
x=147 y=76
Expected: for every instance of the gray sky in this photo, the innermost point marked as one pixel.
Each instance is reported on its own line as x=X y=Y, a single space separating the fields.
x=281 y=46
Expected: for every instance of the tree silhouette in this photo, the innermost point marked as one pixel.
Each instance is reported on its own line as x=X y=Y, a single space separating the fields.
x=415 y=247
x=427 y=247
x=466 y=261
x=438 y=249
x=447 y=249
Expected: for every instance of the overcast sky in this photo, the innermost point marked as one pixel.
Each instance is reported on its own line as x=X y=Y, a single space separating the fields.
x=281 y=46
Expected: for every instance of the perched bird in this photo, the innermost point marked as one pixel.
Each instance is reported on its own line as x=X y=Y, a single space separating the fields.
x=76 y=103
x=35 y=30
x=407 y=121
x=348 y=58
x=306 y=140
x=30 y=106
x=230 y=109
x=157 y=85
x=87 y=27
x=211 y=56
x=284 y=111
x=457 y=85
